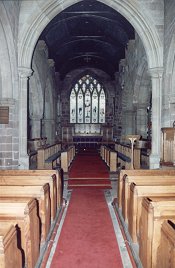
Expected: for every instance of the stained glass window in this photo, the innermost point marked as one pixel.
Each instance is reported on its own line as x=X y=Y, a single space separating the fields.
x=87 y=101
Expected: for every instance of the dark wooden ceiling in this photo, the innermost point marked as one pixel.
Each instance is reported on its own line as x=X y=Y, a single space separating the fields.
x=87 y=34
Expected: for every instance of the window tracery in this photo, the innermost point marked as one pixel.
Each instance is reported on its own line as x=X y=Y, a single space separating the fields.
x=87 y=101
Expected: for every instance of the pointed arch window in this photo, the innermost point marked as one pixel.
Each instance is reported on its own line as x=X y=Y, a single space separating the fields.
x=87 y=101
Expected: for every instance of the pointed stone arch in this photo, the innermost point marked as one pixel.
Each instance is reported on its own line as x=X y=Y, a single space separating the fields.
x=44 y=12
x=35 y=18
x=7 y=56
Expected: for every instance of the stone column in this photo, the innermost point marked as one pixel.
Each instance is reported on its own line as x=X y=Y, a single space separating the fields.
x=141 y=121
x=49 y=130
x=24 y=74
x=35 y=125
x=128 y=122
x=156 y=76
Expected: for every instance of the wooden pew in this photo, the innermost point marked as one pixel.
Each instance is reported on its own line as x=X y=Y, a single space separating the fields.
x=124 y=152
x=42 y=194
x=10 y=255
x=48 y=156
x=23 y=212
x=44 y=173
x=137 y=193
x=20 y=180
x=139 y=172
x=154 y=213
x=67 y=157
x=141 y=180
x=110 y=157
x=166 y=250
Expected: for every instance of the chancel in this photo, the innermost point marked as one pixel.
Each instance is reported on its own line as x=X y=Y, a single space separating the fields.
x=87 y=133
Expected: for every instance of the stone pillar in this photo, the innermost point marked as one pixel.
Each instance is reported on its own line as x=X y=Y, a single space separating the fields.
x=141 y=121
x=24 y=74
x=128 y=122
x=49 y=130
x=35 y=126
x=156 y=76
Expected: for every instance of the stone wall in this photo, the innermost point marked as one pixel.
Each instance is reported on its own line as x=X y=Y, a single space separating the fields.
x=42 y=95
x=168 y=92
x=135 y=84
x=113 y=107
x=9 y=133
x=9 y=137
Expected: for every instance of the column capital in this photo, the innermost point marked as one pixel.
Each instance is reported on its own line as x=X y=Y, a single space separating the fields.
x=156 y=72
x=24 y=72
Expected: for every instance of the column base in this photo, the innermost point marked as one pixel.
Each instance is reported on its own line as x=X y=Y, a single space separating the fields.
x=24 y=162
x=154 y=161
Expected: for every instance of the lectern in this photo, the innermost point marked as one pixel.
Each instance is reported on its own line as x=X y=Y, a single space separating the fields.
x=132 y=139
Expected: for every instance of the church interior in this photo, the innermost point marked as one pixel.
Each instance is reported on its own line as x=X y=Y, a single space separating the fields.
x=87 y=133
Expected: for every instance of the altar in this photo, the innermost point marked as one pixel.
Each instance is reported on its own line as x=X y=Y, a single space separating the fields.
x=87 y=130
x=87 y=135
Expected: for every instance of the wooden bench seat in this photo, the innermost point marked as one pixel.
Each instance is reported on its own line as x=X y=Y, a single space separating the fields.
x=154 y=213
x=137 y=193
x=34 y=180
x=123 y=150
x=166 y=250
x=24 y=213
x=42 y=194
x=139 y=172
x=48 y=156
x=43 y=173
x=10 y=255
x=67 y=157
x=141 y=180
x=52 y=158
x=124 y=157
x=109 y=155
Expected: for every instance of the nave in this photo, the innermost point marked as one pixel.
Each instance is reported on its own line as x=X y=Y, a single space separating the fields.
x=90 y=234
x=53 y=219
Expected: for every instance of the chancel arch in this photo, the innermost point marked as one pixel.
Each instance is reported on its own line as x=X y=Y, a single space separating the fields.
x=44 y=12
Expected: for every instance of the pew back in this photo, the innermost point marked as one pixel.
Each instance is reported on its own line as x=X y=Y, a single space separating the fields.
x=139 y=172
x=44 y=173
x=166 y=250
x=141 y=180
x=42 y=194
x=136 y=195
x=37 y=181
x=154 y=212
x=24 y=213
x=10 y=255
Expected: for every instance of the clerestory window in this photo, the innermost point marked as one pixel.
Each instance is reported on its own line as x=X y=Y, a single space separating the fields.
x=87 y=101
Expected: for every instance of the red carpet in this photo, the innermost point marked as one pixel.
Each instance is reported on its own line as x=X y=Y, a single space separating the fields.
x=87 y=170
x=88 y=164
x=87 y=239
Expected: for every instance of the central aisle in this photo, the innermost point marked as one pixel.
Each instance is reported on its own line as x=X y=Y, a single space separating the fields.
x=87 y=238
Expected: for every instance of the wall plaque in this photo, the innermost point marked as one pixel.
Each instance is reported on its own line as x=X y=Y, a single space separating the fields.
x=4 y=114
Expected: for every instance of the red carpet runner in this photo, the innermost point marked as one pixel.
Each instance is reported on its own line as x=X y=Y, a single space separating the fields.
x=87 y=238
x=88 y=169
